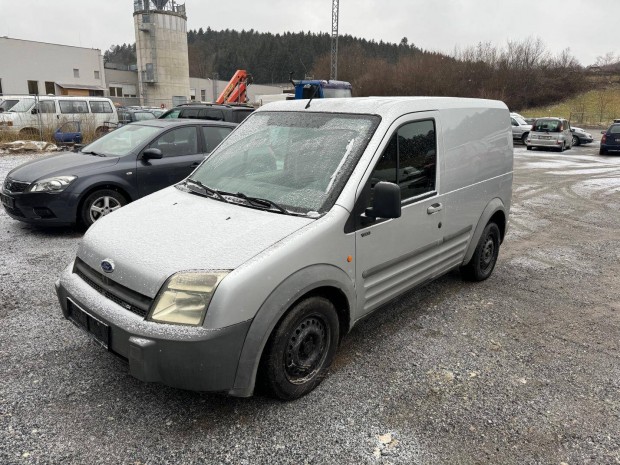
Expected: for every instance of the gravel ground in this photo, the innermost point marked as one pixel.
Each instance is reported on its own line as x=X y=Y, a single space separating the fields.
x=522 y=368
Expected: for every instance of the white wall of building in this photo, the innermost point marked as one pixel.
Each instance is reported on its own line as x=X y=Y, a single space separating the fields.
x=24 y=60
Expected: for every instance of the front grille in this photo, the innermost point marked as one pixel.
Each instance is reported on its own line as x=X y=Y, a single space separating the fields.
x=121 y=295
x=15 y=187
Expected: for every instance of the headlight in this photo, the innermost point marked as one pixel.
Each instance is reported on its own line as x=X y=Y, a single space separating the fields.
x=57 y=184
x=185 y=297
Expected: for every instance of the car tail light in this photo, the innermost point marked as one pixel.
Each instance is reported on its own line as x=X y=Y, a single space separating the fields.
x=604 y=139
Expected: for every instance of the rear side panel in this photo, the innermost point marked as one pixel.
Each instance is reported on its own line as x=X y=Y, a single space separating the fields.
x=476 y=170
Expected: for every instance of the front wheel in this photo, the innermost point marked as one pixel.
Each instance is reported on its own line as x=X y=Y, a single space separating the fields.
x=483 y=261
x=99 y=204
x=524 y=138
x=576 y=141
x=301 y=349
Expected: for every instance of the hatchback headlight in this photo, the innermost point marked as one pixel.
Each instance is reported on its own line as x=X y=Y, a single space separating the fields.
x=56 y=184
x=185 y=297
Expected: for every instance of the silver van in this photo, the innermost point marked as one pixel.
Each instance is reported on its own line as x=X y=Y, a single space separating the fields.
x=550 y=133
x=306 y=219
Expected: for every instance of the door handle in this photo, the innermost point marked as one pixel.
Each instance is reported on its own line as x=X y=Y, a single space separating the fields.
x=436 y=207
x=195 y=164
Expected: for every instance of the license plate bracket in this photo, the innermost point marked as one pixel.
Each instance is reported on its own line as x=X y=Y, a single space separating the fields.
x=7 y=201
x=96 y=329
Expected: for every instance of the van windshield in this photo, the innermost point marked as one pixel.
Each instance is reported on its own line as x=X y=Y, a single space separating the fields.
x=23 y=105
x=301 y=161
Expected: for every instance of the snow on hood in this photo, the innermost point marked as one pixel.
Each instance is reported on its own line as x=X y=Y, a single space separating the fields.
x=171 y=231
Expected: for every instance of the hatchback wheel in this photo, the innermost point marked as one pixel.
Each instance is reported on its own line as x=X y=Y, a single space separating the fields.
x=301 y=349
x=576 y=141
x=101 y=203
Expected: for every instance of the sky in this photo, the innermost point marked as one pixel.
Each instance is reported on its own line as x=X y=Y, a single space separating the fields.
x=587 y=27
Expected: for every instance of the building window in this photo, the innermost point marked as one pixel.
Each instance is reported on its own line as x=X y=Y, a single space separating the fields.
x=76 y=73
x=0 y=86
x=116 y=91
x=33 y=87
x=203 y=95
x=96 y=74
x=50 y=88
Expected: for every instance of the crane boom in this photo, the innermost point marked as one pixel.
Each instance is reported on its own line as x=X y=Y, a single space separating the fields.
x=334 y=70
x=235 y=91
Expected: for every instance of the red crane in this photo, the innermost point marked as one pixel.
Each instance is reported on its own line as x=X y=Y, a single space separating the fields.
x=236 y=90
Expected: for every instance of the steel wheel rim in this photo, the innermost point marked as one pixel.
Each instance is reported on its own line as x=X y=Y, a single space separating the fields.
x=103 y=206
x=488 y=254
x=306 y=349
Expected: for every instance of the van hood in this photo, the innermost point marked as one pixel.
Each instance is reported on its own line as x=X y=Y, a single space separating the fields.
x=62 y=164
x=170 y=231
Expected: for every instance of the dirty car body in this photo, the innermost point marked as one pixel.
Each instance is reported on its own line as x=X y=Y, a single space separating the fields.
x=329 y=212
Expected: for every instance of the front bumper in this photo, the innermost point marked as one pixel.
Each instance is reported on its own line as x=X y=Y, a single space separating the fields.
x=193 y=358
x=42 y=208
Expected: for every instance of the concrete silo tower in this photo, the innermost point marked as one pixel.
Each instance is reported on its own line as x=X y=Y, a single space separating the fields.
x=161 y=48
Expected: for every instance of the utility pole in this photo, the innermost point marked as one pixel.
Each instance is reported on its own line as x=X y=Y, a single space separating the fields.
x=334 y=70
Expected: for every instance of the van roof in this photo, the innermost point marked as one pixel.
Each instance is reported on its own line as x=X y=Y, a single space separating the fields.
x=382 y=106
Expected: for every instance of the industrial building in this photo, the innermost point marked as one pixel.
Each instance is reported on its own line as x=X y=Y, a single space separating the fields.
x=160 y=77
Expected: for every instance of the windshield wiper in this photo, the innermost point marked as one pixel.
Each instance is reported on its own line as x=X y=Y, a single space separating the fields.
x=94 y=153
x=207 y=190
x=258 y=202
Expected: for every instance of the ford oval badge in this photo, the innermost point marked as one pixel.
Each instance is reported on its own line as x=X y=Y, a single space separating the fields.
x=107 y=265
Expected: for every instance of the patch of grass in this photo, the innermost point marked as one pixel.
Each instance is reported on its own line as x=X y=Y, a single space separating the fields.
x=597 y=108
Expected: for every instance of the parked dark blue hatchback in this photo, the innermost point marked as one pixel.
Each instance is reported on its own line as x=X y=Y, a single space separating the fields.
x=124 y=165
x=610 y=140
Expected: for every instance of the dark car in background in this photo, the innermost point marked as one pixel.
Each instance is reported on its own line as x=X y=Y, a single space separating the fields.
x=610 y=142
x=131 y=115
x=209 y=111
x=124 y=165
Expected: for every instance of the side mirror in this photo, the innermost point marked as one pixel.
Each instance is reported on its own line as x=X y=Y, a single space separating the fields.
x=386 y=202
x=152 y=154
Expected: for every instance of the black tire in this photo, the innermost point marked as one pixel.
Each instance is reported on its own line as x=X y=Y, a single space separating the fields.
x=104 y=200
x=529 y=147
x=576 y=141
x=524 y=137
x=602 y=152
x=300 y=349
x=484 y=259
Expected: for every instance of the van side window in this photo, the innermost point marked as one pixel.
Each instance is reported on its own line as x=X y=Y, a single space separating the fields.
x=178 y=142
x=409 y=160
x=47 y=106
x=73 y=106
x=100 y=107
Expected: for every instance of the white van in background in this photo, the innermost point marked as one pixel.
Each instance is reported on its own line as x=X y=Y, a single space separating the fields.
x=27 y=114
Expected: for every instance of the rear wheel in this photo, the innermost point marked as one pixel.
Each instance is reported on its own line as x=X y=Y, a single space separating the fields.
x=602 y=152
x=529 y=147
x=99 y=204
x=524 y=138
x=301 y=349
x=29 y=133
x=483 y=261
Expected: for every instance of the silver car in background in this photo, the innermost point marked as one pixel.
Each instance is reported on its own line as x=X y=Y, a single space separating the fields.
x=520 y=129
x=550 y=133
